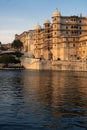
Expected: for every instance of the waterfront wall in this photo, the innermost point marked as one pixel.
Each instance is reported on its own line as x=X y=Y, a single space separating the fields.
x=31 y=63
x=71 y=66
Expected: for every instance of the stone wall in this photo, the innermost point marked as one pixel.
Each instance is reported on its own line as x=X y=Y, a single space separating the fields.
x=67 y=65
x=31 y=63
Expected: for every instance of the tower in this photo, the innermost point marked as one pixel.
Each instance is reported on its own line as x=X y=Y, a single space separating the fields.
x=56 y=17
x=56 y=27
x=47 y=33
x=47 y=39
x=37 y=50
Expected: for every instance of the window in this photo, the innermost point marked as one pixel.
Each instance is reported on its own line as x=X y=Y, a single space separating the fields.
x=66 y=27
x=75 y=26
x=73 y=39
x=80 y=27
x=80 y=21
x=48 y=36
x=54 y=19
x=55 y=33
x=73 y=45
x=84 y=43
x=55 y=26
x=83 y=52
x=66 y=32
x=66 y=39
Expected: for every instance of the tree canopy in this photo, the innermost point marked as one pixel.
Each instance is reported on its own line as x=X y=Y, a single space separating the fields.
x=6 y=59
x=2 y=48
x=17 y=44
x=18 y=54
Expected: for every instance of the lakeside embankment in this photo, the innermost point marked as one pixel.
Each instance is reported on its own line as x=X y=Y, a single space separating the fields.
x=31 y=63
x=37 y=64
x=11 y=67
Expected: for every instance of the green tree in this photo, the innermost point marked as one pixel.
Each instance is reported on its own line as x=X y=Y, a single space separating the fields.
x=18 y=54
x=2 y=48
x=6 y=59
x=17 y=44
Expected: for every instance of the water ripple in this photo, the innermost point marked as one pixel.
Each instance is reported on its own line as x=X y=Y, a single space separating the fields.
x=43 y=100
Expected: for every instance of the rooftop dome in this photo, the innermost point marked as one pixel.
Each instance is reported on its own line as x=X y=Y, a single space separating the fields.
x=47 y=21
x=37 y=27
x=56 y=13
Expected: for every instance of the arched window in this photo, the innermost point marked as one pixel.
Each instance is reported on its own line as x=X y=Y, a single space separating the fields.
x=55 y=33
x=73 y=45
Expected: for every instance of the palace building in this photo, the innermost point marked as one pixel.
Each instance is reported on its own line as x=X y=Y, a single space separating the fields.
x=65 y=38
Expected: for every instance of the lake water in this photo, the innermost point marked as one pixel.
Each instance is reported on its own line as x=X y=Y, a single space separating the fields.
x=43 y=100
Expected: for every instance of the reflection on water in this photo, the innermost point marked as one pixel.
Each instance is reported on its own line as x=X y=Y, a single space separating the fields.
x=43 y=100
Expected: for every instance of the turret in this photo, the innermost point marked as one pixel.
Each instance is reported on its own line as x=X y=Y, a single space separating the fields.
x=56 y=16
x=38 y=27
x=56 y=24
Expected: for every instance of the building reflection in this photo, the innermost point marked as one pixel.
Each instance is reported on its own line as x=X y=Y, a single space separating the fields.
x=49 y=97
x=59 y=91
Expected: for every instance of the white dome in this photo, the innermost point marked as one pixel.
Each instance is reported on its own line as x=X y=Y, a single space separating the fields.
x=37 y=27
x=56 y=13
x=47 y=21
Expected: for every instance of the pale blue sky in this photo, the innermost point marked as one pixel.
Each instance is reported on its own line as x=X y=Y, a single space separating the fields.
x=17 y=16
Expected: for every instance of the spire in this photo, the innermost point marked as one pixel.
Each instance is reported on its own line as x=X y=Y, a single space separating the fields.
x=57 y=9
x=56 y=13
x=38 y=26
